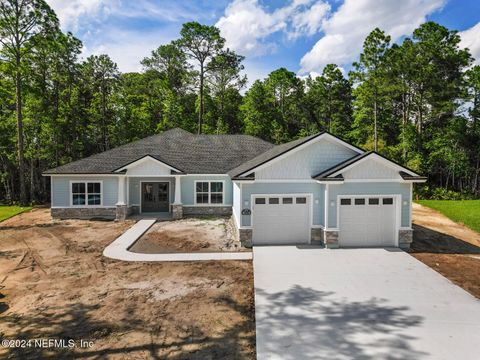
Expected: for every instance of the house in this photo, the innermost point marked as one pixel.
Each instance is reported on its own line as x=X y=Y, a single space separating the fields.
x=315 y=188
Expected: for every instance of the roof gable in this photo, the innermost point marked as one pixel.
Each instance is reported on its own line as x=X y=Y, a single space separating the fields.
x=280 y=152
x=369 y=165
x=148 y=165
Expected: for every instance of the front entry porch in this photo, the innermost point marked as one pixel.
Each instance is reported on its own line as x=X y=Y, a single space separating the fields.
x=149 y=197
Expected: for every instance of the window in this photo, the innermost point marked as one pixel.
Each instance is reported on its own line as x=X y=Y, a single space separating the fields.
x=301 y=200
x=359 y=201
x=373 y=201
x=86 y=193
x=259 y=201
x=387 y=201
x=274 y=201
x=288 y=200
x=345 y=201
x=209 y=192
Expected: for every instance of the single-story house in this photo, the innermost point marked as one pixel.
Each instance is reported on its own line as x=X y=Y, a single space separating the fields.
x=315 y=188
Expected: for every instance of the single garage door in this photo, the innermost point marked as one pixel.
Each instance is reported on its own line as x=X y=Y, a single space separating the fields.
x=281 y=219
x=367 y=221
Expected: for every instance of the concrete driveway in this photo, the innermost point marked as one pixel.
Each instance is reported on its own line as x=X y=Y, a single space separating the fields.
x=359 y=304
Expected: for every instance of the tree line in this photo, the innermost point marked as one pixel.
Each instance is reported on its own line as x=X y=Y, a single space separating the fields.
x=417 y=102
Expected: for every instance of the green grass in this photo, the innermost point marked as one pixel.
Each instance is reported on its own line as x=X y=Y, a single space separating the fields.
x=466 y=212
x=7 y=212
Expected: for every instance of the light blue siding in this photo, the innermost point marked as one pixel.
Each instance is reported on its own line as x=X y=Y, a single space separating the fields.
x=134 y=187
x=61 y=189
x=188 y=188
x=317 y=190
x=369 y=189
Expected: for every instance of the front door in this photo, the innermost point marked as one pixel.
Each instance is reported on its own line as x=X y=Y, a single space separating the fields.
x=155 y=197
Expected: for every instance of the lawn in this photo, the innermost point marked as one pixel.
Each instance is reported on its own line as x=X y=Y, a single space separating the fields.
x=466 y=212
x=7 y=212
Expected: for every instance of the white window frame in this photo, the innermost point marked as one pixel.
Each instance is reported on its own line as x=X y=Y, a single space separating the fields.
x=209 y=192
x=86 y=182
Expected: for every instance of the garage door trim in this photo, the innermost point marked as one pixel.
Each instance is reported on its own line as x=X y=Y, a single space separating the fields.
x=397 y=202
x=310 y=210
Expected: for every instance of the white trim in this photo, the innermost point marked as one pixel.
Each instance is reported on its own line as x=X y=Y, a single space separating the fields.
x=329 y=182
x=86 y=193
x=81 y=207
x=143 y=159
x=283 y=181
x=410 y=206
x=405 y=228
x=205 y=175
x=152 y=176
x=208 y=205
x=128 y=192
x=397 y=204
x=235 y=219
x=159 y=181
x=283 y=195
x=300 y=147
x=378 y=158
x=379 y=180
x=80 y=175
x=326 y=202
x=209 y=181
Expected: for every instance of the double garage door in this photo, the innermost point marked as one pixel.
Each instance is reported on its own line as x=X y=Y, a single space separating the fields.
x=367 y=221
x=364 y=221
x=281 y=219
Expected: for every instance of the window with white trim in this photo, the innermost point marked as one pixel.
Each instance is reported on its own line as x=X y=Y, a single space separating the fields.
x=209 y=192
x=86 y=193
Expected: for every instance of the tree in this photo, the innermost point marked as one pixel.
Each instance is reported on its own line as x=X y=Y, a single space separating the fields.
x=101 y=77
x=329 y=98
x=170 y=62
x=367 y=74
x=225 y=79
x=23 y=24
x=287 y=90
x=201 y=43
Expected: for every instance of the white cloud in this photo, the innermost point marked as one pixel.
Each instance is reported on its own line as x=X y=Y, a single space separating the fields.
x=246 y=24
x=71 y=12
x=471 y=39
x=310 y=21
x=346 y=29
x=128 y=48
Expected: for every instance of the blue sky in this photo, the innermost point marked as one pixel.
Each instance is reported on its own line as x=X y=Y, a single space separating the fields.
x=301 y=35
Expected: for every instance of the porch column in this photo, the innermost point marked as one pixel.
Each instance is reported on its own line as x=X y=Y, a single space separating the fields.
x=177 y=208
x=121 y=191
x=178 y=191
x=122 y=210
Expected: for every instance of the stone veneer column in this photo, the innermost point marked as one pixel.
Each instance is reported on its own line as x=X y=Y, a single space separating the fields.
x=405 y=238
x=121 y=212
x=331 y=239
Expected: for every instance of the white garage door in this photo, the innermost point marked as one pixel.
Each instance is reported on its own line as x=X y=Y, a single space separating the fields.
x=281 y=219
x=367 y=221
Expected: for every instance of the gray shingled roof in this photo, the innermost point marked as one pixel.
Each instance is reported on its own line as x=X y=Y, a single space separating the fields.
x=192 y=154
x=269 y=155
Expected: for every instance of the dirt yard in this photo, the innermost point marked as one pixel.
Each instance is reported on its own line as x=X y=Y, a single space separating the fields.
x=56 y=284
x=188 y=235
x=450 y=248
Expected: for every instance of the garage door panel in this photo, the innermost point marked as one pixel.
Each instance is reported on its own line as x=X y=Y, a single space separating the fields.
x=281 y=223
x=372 y=224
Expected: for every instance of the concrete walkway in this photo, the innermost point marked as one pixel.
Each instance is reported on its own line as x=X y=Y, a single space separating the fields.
x=118 y=249
x=359 y=304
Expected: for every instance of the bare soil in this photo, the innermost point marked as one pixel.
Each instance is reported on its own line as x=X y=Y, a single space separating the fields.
x=447 y=247
x=189 y=235
x=55 y=283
